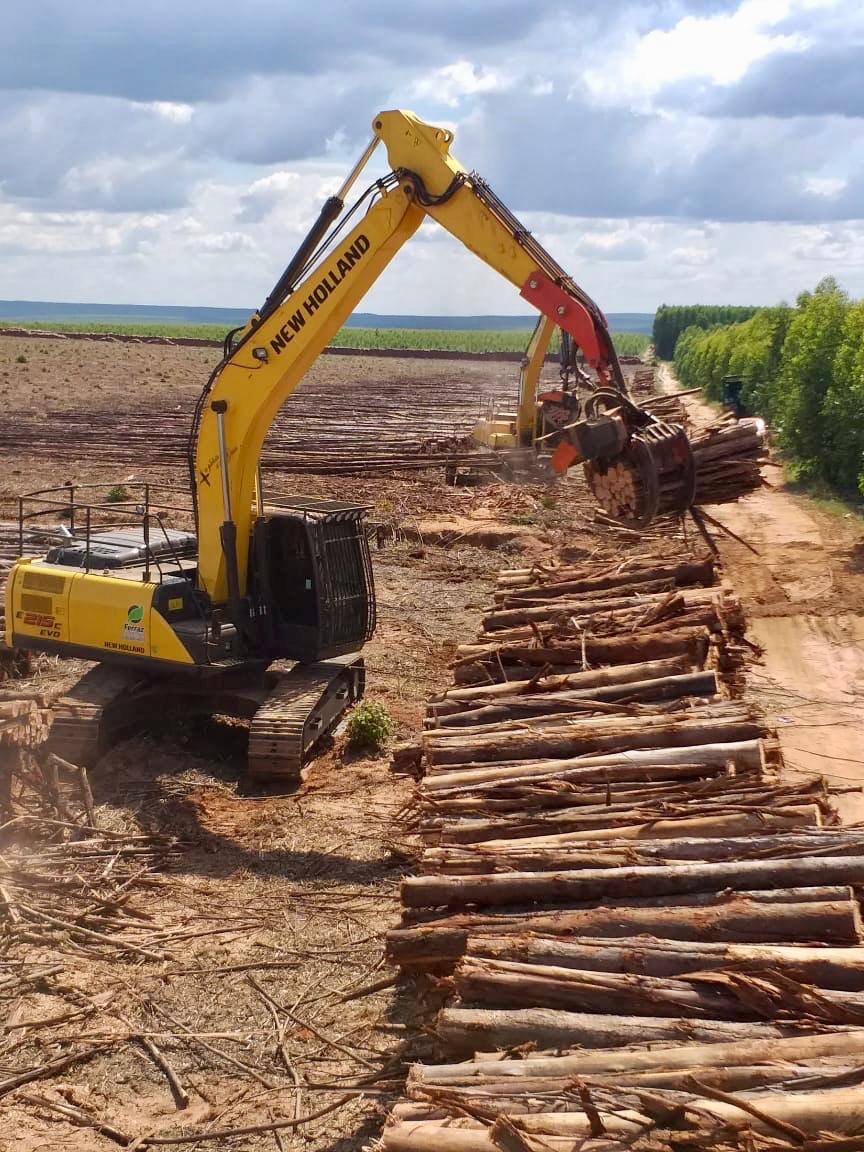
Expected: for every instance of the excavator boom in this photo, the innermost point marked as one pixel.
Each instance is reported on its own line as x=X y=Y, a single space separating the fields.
x=283 y=340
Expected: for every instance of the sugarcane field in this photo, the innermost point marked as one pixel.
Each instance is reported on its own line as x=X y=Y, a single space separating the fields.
x=598 y=889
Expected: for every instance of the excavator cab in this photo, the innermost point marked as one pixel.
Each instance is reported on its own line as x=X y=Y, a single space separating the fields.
x=311 y=583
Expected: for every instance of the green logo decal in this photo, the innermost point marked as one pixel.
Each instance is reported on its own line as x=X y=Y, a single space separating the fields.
x=135 y=614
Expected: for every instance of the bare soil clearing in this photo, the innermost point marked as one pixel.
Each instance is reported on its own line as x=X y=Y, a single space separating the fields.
x=285 y=899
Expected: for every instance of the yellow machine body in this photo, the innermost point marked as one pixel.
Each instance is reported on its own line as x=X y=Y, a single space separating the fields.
x=89 y=614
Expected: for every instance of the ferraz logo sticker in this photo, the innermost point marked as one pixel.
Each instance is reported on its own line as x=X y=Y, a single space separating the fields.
x=133 y=629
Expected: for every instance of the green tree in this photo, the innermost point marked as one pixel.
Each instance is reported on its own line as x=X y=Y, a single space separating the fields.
x=670 y=321
x=805 y=373
x=843 y=408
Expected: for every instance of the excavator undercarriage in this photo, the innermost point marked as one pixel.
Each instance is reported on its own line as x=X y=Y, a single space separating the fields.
x=290 y=710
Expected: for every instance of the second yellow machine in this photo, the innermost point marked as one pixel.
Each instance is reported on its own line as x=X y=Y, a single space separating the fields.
x=206 y=616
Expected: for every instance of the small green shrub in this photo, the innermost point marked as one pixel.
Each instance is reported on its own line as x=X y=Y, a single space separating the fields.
x=22 y=359
x=119 y=494
x=369 y=727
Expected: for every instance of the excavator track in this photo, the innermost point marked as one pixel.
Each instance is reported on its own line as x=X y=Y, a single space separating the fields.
x=84 y=720
x=305 y=704
x=288 y=717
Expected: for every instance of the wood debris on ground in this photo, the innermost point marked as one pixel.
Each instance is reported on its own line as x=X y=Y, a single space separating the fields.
x=633 y=928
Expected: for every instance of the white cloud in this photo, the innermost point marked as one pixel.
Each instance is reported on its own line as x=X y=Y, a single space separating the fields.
x=824 y=185
x=719 y=48
x=167 y=110
x=452 y=83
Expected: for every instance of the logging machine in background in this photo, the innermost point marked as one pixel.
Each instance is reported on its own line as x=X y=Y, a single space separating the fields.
x=200 y=618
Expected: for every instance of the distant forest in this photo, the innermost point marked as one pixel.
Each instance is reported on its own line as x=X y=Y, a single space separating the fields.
x=22 y=311
x=671 y=320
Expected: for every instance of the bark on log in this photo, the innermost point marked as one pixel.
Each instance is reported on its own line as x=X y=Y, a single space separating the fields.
x=515 y=854
x=505 y=983
x=684 y=575
x=836 y=968
x=702 y=684
x=684 y=1045
x=531 y=1094
x=502 y=620
x=745 y=752
x=536 y=804
x=838 y=1112
x=736 y=919
x=598 y=677
x=599 y=884
x=485 y=660
x=547 y=744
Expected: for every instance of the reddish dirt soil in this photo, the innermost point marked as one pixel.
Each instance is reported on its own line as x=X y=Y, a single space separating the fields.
x=306 y=882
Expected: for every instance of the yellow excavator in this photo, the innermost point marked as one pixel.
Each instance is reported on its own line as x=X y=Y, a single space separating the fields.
x=206 y=618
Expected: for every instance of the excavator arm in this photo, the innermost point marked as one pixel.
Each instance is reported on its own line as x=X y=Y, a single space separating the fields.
x=307 y=308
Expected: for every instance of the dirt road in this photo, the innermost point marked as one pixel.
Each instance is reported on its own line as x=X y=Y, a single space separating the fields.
x=802 y=584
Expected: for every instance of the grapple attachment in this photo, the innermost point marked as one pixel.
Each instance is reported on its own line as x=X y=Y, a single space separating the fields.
x=653 y=476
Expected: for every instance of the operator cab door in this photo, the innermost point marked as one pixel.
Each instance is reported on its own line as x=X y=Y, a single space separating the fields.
x=312 y=588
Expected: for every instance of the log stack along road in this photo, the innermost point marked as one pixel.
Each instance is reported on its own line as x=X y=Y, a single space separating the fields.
x=639 y=931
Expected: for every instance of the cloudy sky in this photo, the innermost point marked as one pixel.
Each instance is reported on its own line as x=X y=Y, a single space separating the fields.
x=175 y=151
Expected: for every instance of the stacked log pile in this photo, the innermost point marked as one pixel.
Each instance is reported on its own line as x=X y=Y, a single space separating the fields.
x=646 y=937
x=642 y=381
x=729 y=455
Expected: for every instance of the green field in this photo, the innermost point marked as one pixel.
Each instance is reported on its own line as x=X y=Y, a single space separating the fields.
x=446 y=339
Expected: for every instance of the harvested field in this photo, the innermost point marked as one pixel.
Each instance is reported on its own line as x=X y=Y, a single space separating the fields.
x=595 y=784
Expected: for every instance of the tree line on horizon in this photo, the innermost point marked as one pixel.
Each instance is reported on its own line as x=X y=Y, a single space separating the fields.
x=802 y=369
x=671 y=320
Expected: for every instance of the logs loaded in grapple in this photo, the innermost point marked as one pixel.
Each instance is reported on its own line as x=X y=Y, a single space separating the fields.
x=661 y=471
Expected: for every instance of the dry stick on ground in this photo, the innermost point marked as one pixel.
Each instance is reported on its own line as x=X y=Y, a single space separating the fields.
x=181 y=1096
x=274 y=1009
x=87 y=933
x=48 y=1069
x=190 y=1035
x=78 y=1116
x=249 y=1129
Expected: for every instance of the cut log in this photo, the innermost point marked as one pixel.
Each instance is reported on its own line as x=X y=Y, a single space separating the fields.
x=484 y=660
x=514 y=617
x=515 y=854
x=684 y=575
x=838 y=1111
x=685 y=1044
x=700 y=684
x=598 y=677
x=733 y=919
x=745 y=752
x=835 y=968
x=599 y=884
x=717 y=996
x=668 y=737
x=535 y=804
x=530 y=1094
